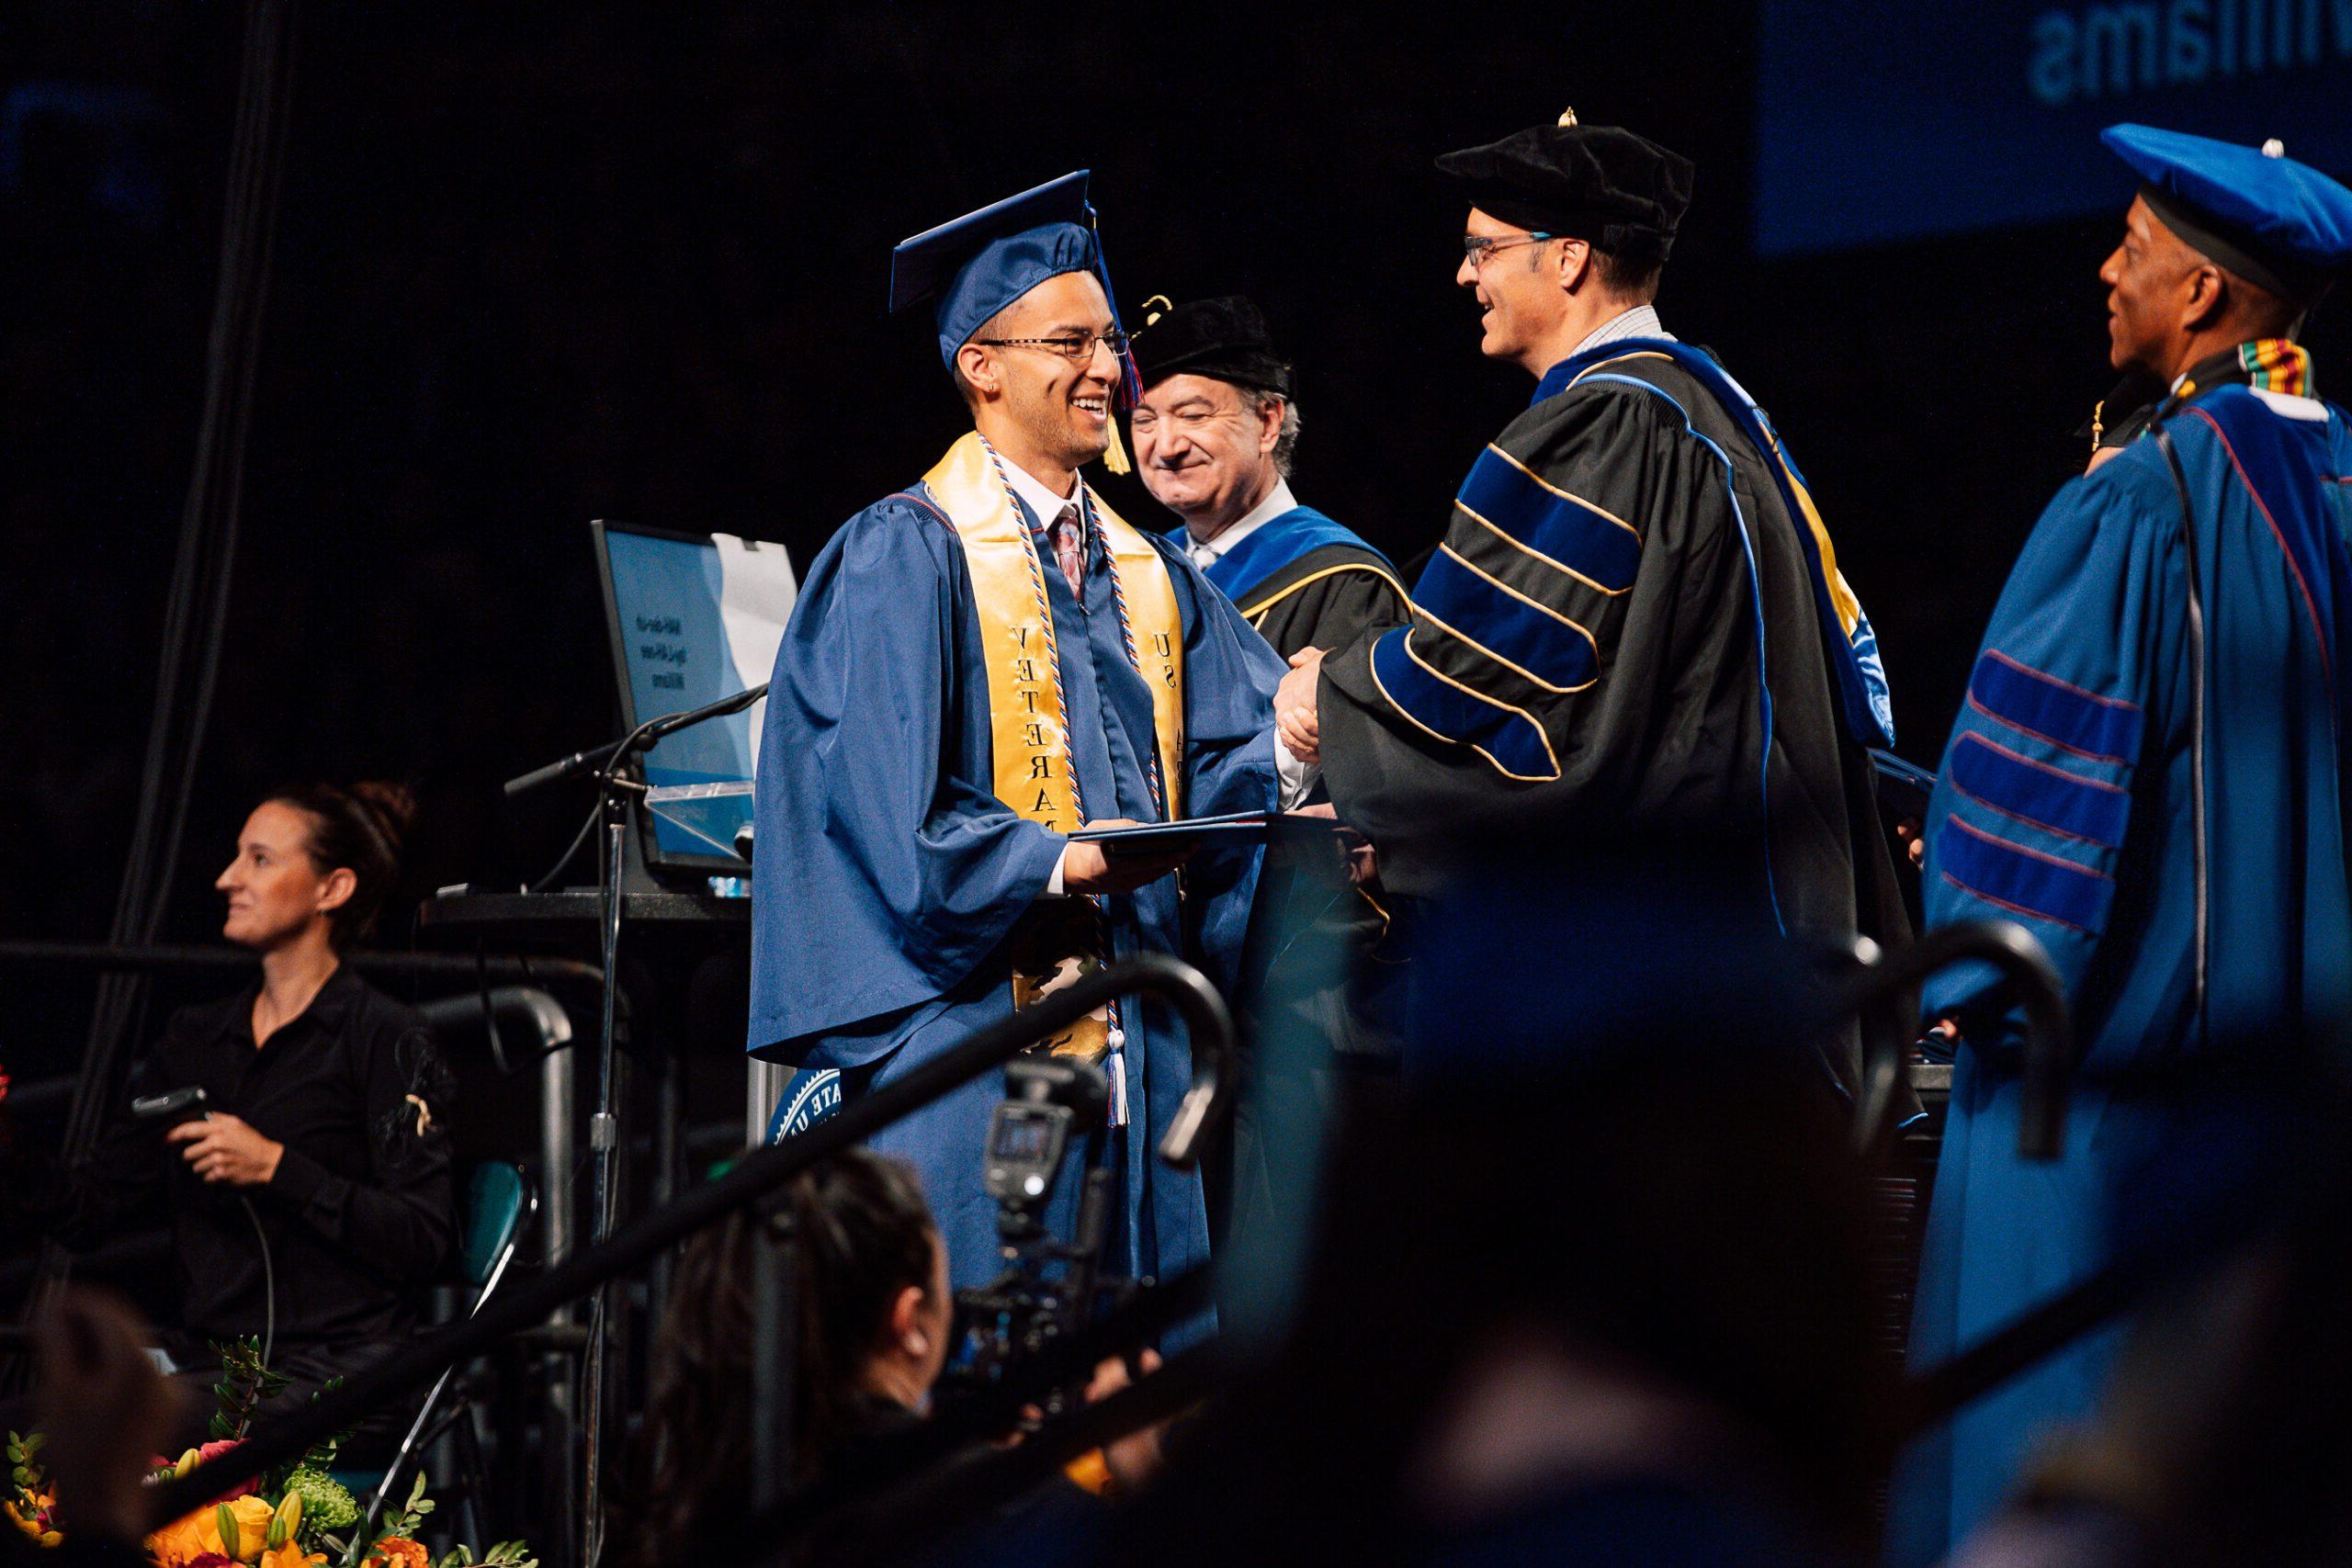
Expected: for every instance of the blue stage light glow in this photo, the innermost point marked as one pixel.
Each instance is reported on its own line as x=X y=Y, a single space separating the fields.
x=1880 y=123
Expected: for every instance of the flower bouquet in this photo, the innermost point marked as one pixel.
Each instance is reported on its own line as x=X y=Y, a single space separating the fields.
x=296 y=1516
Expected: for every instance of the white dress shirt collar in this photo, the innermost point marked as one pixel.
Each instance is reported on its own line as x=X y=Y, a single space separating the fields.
x=1042 y=502
x=1278 y=501
x=1639 y=321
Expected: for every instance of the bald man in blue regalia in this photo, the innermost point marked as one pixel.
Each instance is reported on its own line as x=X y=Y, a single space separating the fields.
x=977 y=666
x=2149 y=774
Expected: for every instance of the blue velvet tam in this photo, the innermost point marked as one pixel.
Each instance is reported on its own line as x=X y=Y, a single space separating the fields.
x=975 y=266
x=2279 y=224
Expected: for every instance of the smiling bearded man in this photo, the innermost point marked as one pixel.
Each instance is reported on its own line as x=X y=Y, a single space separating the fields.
x=976 y=668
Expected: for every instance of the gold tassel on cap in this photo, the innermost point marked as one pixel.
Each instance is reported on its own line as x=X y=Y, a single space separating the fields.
x=1114 y=457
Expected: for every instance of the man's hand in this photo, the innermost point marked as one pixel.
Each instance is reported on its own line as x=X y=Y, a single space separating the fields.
x=1912 y=834
x=1087 y=868
x=1357 y=859
x=1295 y=706
x=220 y=1148
x=1135 y=1458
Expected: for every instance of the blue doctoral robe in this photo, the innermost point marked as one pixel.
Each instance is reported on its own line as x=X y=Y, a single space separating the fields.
x=2065 y=802
x=1305 y=581
x=889 y=874
x=1270 y=546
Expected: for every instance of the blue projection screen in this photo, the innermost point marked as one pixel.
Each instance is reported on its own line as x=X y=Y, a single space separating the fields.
x=1895 y=122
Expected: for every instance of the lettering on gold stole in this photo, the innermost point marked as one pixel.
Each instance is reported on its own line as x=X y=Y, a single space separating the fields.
x=1057 y=940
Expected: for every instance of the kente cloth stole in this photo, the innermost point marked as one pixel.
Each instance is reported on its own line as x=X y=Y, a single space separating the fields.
x=2265 y=364
x=1059 y=939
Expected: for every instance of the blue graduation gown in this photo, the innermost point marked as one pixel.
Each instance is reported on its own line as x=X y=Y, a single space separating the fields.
x=888 y=873
x=2065 y=802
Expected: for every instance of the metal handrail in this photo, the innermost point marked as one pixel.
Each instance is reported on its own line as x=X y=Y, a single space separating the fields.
x=105 y=957
x=752 y=1177
x=2049 y=1036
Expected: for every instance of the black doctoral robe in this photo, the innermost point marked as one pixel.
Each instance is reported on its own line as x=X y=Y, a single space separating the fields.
x=1314 y=970
x=1327 y=598
x=1628 y=639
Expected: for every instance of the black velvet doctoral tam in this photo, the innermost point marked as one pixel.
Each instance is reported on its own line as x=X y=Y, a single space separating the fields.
x=1224 y=337
x=1598 y=183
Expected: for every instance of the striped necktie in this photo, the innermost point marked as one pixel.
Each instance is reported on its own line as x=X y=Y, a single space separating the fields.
x=1063 y=532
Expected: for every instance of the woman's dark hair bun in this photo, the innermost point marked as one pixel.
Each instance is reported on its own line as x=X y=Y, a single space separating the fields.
x=393 y=804
x=363 y=826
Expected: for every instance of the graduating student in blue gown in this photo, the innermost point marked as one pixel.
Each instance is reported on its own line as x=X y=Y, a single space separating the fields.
x=2182 y=860
x=893 y=868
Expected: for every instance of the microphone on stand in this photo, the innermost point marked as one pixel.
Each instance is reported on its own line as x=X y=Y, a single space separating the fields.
x=570 y=767
x=597 y=757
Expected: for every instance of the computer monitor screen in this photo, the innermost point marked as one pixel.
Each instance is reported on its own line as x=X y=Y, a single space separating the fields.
x=694 y=618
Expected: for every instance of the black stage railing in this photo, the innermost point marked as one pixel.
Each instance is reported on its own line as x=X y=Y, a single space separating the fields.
x=752 y=1178
x=2048 y=1049
x=911 y=1499
x=101 y=958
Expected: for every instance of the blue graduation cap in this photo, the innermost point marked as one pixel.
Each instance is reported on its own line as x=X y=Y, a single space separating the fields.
x=975 y=266
x=2278 y=223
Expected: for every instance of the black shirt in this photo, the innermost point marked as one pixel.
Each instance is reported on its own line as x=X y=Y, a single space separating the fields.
x=358 y=1214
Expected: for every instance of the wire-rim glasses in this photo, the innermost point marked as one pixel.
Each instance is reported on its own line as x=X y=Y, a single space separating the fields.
x=1477 y=248
x=1076 y=347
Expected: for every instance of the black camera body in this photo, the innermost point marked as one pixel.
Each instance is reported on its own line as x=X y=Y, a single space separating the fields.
x=171 y=1108
x=1047 y=1099
x=1048 y=1289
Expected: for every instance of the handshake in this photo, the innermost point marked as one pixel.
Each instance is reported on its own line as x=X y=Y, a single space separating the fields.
x=1294 y=723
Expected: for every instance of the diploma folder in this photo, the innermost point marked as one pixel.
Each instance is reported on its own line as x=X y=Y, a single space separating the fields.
x=1200 y=832
x=1904 y=788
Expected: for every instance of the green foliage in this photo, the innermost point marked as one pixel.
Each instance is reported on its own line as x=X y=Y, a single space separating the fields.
x=405 y=1520
x=411 y=1516
x=321 y=1453
x=318 y=1457
x=25 y=1473
x=246 y=1382
x=505 y=1554
x=327 y=1505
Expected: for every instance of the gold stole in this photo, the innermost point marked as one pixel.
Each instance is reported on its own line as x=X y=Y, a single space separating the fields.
x=1059 y=940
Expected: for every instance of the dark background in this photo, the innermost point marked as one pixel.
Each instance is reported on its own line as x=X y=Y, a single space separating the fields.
x=541 y=264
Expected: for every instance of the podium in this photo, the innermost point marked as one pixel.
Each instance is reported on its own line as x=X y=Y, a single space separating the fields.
x=685 y=955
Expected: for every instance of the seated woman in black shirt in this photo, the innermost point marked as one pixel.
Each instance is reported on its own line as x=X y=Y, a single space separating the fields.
x=326 y=1136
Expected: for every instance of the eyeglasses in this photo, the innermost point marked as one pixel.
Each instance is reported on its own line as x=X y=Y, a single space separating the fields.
x=1076 y=347
x=1477 y=248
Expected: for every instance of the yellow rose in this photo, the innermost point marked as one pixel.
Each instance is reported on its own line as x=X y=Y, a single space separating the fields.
x=252 y=1525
